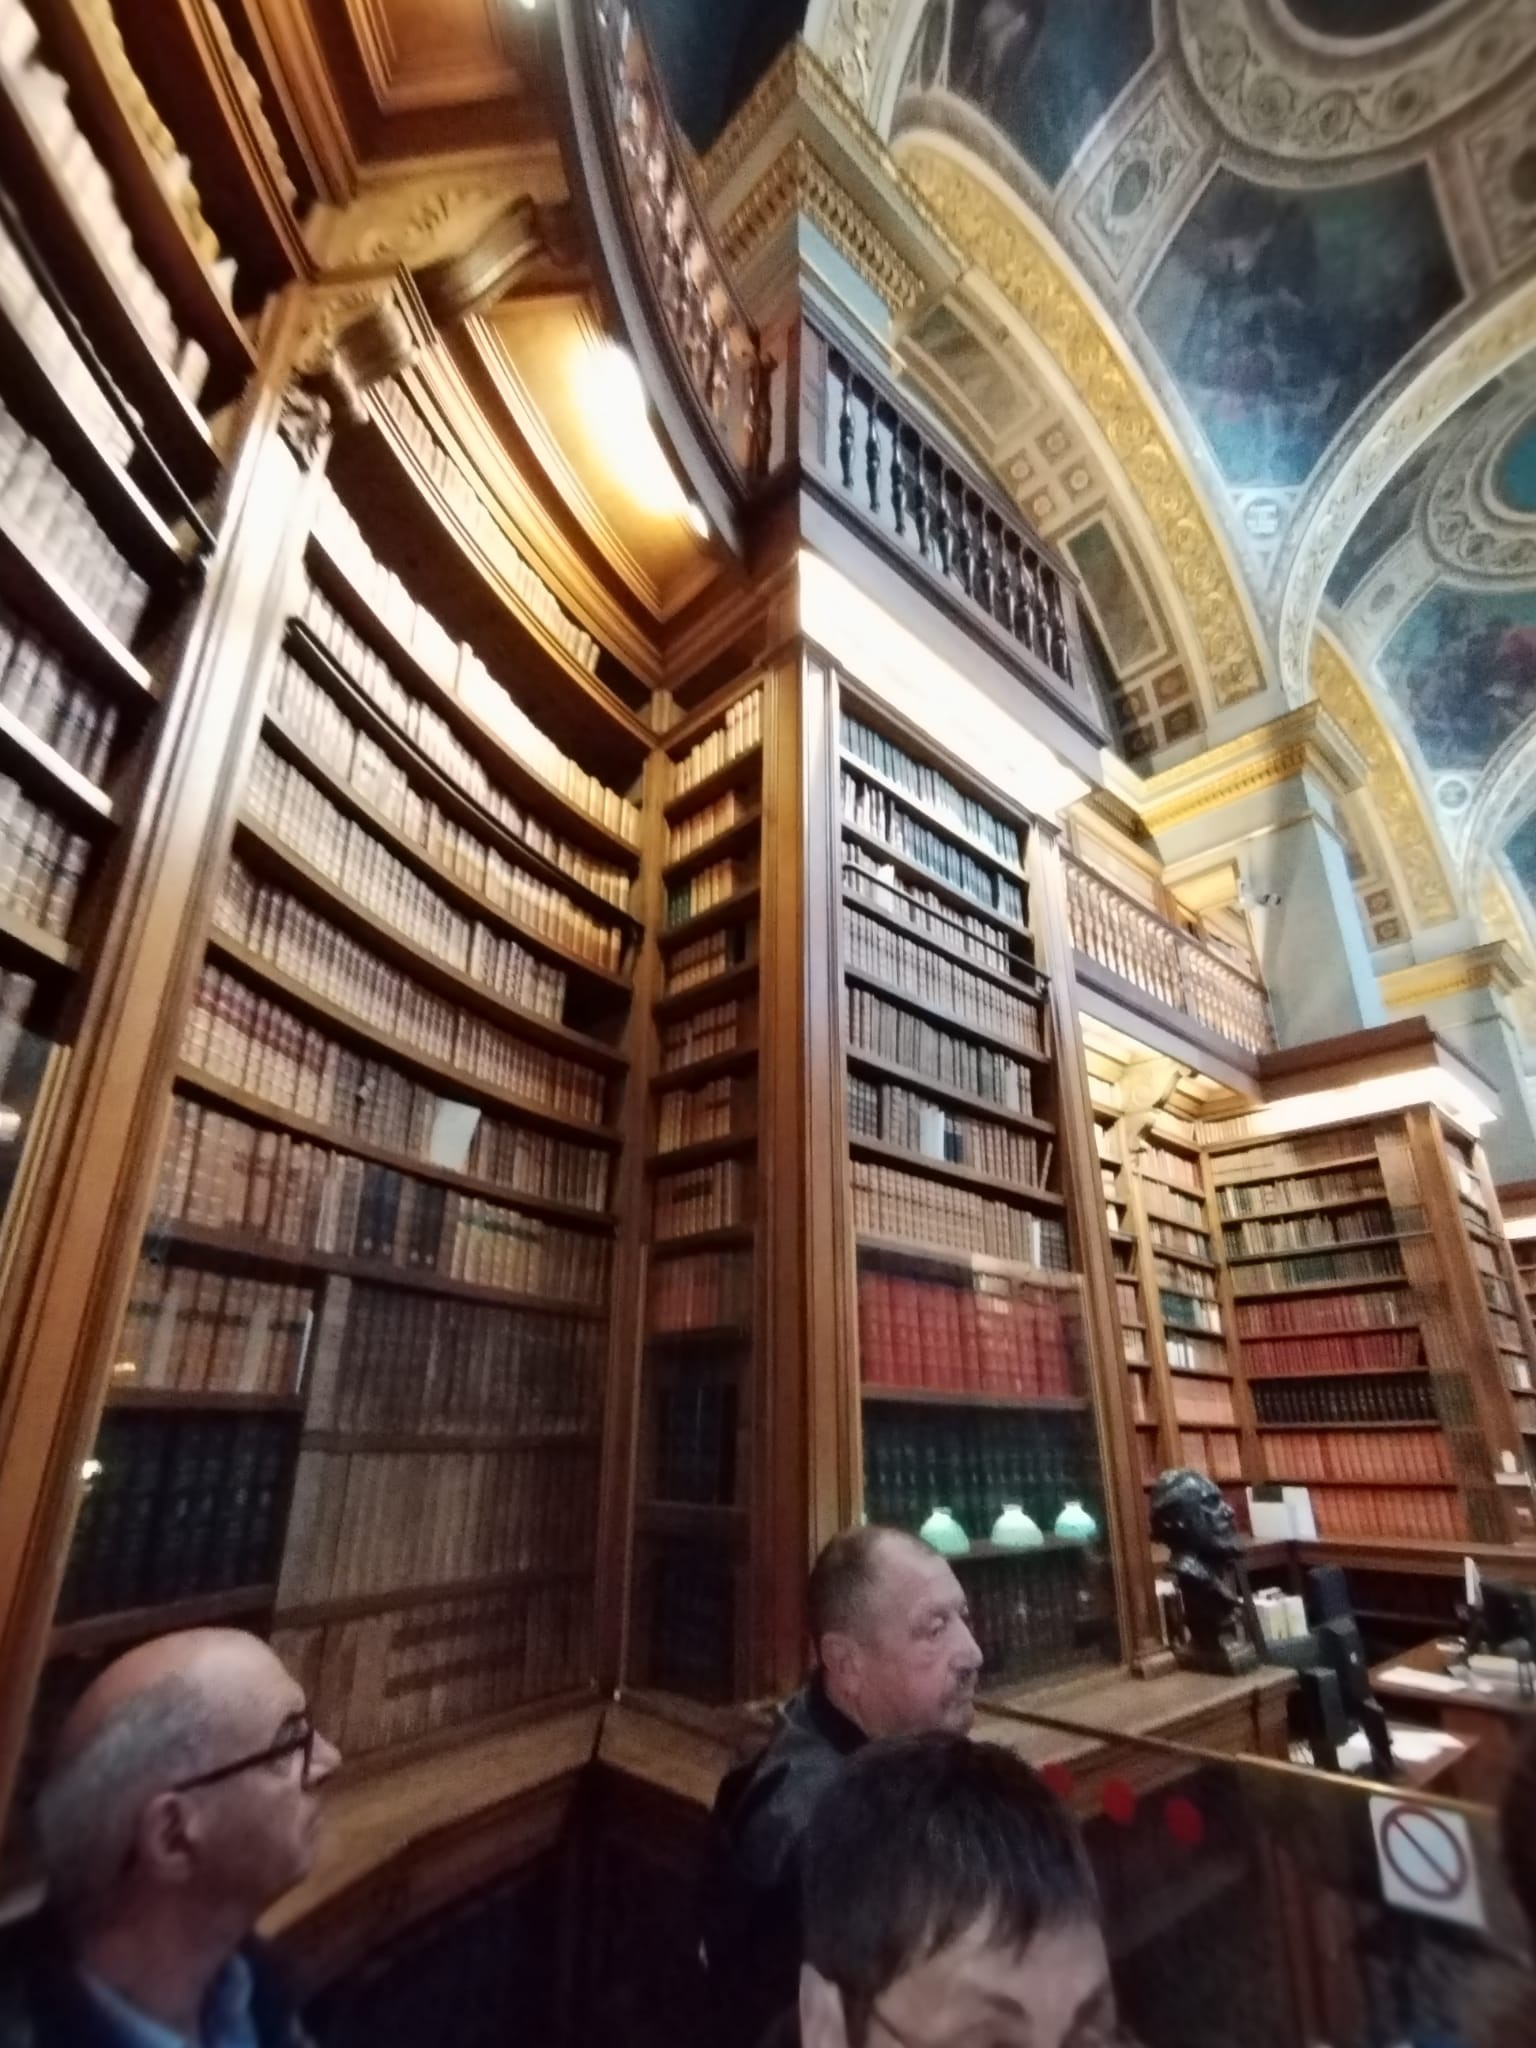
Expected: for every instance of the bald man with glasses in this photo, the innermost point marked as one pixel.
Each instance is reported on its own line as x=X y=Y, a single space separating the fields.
x=183 y=1801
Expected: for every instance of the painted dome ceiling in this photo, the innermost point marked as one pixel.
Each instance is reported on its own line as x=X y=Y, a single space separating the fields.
x=1312 y=226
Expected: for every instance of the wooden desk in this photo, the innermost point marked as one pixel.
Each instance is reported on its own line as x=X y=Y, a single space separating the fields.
x=1494 y=1723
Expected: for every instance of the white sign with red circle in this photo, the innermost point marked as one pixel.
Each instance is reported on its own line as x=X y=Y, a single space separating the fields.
x=1427 y=1861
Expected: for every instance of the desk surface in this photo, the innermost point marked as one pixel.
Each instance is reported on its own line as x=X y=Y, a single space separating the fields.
x=1480 y=1697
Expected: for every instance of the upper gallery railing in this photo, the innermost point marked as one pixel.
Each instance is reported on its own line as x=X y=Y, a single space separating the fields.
x=1178 y=969
x=673 y=287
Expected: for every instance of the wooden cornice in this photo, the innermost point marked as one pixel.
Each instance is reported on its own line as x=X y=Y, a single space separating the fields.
x=1306 y=742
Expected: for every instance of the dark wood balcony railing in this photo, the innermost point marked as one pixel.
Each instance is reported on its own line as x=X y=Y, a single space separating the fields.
x=1178 y=969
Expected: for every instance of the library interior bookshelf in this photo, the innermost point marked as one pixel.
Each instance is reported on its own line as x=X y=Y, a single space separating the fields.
x=536 y=1081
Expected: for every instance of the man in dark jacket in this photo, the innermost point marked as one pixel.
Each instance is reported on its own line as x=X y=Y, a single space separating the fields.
x=893 y=1655
x=183 y=1801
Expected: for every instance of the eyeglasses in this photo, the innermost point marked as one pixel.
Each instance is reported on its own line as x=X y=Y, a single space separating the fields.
x=299 y=1741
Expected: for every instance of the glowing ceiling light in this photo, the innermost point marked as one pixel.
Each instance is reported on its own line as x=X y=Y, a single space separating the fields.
x=612 y=388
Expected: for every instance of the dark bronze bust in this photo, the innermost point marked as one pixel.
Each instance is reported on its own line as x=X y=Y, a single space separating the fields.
x=1192 y=1518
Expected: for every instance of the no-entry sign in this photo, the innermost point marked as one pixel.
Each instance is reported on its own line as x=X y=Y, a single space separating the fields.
x=1426 y=1860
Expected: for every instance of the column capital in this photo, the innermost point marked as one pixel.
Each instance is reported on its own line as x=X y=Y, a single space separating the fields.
x=1495 y=966
x=1305 y=742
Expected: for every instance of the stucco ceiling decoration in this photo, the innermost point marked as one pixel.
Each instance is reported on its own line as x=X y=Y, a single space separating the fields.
x=1471 y=528
x=989 y=226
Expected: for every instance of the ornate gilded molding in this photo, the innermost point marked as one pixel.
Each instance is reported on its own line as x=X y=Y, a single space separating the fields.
x=1495 y=965
x=798 y=181
x=1301 y=742
x=997 y=238
x=852 y=37
x=1394 y=799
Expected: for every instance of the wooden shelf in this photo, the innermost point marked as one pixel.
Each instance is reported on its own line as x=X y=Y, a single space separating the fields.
x=51 y=778
x=934 y=884
x=733 y=839
x=129 y=1624
x=736 y=981
x=710 y=1336
x=455 y=1081
x=724 y=1237
x=737 y=908
x=1031 y=990
x=125 y=515
x=740 y=772
x=702 y=1152
x=1173 y=1187
x=960 y=1026
x=440 y=879
x=280 y=863
x=941 y=1397
x=925 y=1084
x=955 y=1176
x=358 y=1606
x=736 y=1059
x=984 y=1553
x=1317 y=1251
x=938 y=821
x=392 y=1442
x=1313 y=1336
x=57 y=222
x=219 y=1400
x=505 y=767
x=429 y=780
x=1163 y=1251
x=1375 y=1485
x=61 y=617
x=1377 y=1199
x=1258 y=1173
x=1349 y=1428
x=244 y=1249
x=1371 y=1280
x=38 y=948
x=985 y=1264
x=159 y=236
x=193 y=1081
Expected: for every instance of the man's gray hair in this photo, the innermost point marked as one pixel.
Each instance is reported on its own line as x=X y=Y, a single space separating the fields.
x=90 y=1805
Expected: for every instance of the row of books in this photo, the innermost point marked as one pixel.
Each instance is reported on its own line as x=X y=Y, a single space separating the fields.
x=989 y=1338
x=313 y=721
x=900 y=1116
x=61 y=531
x=1367 y=1351
x=936 y=980
x=422 y=1365
x=696 y=1429
x=42 y=863
x=1316 y=1457
x=701 y=1036
x=220 y=1173
x=1217 y=1453
x=32 y=315
x=1183 y=1308
x=934 y=791
x=878 y=883
x=1296 y=1233
x=46 y=99
x=174 y=1505
x=1176 y=1170
x=278 y=927
x=685 y=1600
x=1376 y=1262
x=871 y=810
x=975 y=1462
x=427 y=730
x=708 y=1198
x=458 y=669
x=1169 y=1205
x=385 y=1679
x=1400 y=1398
x=475 y=515
x=888 y=1202
x=66 y=714
x=1174 y=1276
x=200 y=1332
x=706 y=958
x=702 y=891
x=234 y=1034
x=691 y=1116
x=366 y=872
x=701 y=1291
x=388 y=1522
x=1259 y=1197
x=1203 y=1404
x=737 y=733
x=1311 y=1152
x=16 y=993
x=1041 y=1616
x=1436 y=1515
x=890 y=1032
x=1177 y=1241
x=1320 y=1314
x=1192 y=1350
x=686 y=835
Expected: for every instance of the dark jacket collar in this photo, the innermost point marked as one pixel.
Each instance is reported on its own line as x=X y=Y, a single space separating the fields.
x=811 y=1706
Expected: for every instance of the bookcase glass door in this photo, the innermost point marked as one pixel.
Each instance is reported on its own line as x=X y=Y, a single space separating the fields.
x=977 y=1423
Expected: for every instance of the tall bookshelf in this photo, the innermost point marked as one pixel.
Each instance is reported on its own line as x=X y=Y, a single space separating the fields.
x=1504 y=1304
x=359 y=1393
x=689 y=1612
x=972 y=1359
x=1149 y=1399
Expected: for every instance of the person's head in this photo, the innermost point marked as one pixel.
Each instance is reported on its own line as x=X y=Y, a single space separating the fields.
x=186 y=1779
x=1517 y=1829
x=1190 y=1513
x=891 y=1632
x=948 y=1904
